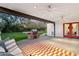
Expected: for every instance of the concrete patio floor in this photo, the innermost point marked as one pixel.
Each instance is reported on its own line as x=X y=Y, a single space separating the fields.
x=49 y=46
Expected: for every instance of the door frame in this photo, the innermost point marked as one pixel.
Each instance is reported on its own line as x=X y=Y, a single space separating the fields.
x=67 y=35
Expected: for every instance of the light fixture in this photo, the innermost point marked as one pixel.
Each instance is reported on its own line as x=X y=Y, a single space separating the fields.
x=35 y=6
x=51 y=7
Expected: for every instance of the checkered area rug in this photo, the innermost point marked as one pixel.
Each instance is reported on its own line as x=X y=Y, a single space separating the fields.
x=45 y=49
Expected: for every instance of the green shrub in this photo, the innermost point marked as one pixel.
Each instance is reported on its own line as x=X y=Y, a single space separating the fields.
x=14 y=35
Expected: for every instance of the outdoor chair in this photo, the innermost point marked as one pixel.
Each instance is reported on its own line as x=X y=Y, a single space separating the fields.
x=2 y=46
x=12 y=48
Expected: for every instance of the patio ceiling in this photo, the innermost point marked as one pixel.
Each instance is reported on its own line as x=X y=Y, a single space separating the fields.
x=49 y=11
x=17 y=13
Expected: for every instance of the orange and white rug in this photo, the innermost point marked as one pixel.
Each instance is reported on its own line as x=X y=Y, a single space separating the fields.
x=45 y=49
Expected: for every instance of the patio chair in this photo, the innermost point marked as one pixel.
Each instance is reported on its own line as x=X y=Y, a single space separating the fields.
x=12 y=47
x=2 y=49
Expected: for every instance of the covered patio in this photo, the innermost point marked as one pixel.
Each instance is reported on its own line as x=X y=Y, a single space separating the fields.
x=62 y=30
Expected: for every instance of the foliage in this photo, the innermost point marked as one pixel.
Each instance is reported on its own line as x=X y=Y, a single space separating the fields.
x=2 y=24
x=13 y=26
x=8 y=21
x=11 y=23
x=42 y=32
x=32 y=25
x=14 y=35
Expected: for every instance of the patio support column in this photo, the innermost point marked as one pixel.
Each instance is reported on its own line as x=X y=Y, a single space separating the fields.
x=50 y=29
x=54 y=29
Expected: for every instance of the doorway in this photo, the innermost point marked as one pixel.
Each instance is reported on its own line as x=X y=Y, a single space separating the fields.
x=71 y=30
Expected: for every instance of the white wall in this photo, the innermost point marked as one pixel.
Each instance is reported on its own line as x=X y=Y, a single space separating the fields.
x=59 y=26
x=50 y=29
x=59 y=29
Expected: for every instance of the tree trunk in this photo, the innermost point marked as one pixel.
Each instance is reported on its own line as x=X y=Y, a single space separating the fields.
x=0 y=35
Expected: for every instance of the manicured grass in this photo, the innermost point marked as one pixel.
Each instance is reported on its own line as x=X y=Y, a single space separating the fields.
x=42 y=32
x=18 y=36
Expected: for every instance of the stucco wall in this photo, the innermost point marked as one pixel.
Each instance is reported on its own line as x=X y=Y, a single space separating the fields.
x=58 y=27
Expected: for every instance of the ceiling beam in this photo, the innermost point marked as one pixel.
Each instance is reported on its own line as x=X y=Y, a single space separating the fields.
x=17 y=13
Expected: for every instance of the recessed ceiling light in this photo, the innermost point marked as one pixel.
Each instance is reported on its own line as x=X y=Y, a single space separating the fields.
x=35 y=6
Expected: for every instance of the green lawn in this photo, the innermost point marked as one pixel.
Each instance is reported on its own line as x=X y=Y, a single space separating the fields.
x=14 y=35
x=42 y=32
x=18 y=36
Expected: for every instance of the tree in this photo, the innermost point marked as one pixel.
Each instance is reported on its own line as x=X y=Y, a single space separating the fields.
x=2 y=24
x=8 y=21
